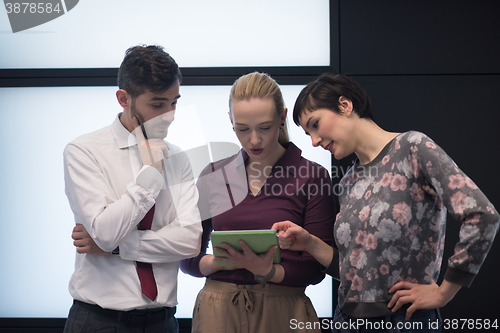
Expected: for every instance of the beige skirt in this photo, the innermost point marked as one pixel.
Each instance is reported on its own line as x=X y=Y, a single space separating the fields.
x=230 y=308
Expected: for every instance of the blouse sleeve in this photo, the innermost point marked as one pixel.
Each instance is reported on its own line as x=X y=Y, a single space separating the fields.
x=464 y=201
x=192 y=266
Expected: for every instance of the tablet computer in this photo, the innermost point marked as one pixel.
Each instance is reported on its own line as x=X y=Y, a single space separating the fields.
x=258 y=240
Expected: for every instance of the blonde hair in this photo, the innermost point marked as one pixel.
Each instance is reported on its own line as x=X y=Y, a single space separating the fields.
x=260 y=85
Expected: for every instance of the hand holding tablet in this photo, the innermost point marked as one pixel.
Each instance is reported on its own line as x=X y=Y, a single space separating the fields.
x=259 y=241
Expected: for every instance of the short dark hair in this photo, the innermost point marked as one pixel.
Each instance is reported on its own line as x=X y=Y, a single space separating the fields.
x=325 y=92
x=147 y=68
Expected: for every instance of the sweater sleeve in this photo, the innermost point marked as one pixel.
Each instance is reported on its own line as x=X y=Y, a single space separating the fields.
x=319 y=214
x=464 y=201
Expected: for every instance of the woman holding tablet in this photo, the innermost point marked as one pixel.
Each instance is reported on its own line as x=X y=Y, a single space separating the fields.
x=266 y=182
x=391 y=225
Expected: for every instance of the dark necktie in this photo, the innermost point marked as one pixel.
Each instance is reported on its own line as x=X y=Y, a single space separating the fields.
x=145 y=270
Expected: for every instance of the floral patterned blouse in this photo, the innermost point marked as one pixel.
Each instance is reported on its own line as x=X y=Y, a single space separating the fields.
x=392 y=222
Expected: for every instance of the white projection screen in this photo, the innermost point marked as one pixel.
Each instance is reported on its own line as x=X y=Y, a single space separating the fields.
x=217 y=33
x=36 y=249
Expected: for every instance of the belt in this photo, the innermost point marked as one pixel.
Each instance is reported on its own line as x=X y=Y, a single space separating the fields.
x=133 y=318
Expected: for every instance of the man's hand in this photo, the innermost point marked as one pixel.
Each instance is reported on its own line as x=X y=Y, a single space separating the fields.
x=85 y=243
x=421 y=296
x=153 y=150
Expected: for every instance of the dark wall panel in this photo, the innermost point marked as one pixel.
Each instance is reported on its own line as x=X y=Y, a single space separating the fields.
x=420 y=37
x=334 y=36
x=460 y=112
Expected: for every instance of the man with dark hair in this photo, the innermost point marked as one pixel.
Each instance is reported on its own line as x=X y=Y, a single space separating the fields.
x=148 y=68
x=135 y=196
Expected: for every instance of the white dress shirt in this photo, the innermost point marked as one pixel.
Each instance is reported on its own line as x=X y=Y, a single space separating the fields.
x=109 y=192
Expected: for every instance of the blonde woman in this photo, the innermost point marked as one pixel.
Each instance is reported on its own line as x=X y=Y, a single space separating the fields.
x=266 y=182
